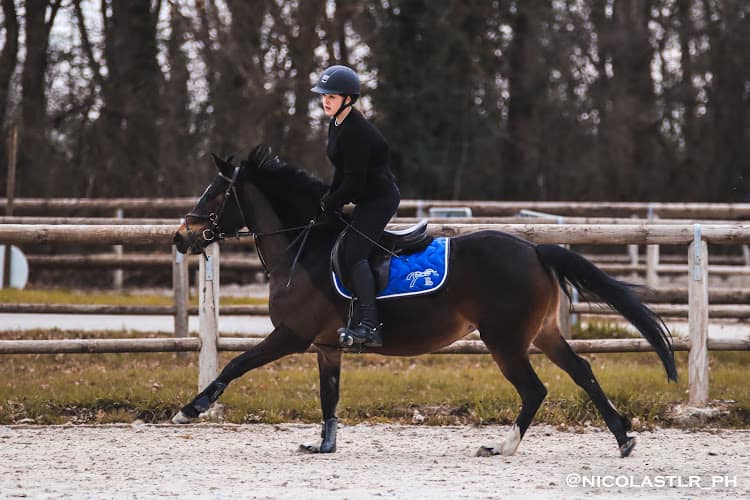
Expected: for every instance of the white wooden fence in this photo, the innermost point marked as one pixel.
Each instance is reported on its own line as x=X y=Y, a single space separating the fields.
x=695 y=236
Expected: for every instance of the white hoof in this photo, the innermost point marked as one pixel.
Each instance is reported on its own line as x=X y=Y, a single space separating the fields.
x=180 y=418
x=506 y=448
x=512 y=440
x=486 y=451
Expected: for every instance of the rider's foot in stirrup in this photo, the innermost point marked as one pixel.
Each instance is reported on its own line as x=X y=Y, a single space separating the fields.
x=361 y=335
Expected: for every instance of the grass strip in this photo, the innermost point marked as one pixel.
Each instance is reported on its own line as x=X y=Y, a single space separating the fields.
x=448 y=389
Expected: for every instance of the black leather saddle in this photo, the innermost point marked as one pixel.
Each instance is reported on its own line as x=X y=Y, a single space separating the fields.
x=406 y=241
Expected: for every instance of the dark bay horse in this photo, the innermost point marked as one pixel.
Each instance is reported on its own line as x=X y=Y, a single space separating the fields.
x=503 y=286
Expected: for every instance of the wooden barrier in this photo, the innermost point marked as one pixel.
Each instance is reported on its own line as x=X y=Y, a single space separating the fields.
x=696 y=236
x=230 y=310
x=133 y=261
x=601 y=234
x=728 y=311
x=479 y=208
x=510 y=219
x=208 y=324
x=224 y=344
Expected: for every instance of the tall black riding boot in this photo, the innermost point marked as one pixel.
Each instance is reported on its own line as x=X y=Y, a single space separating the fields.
x=368 y=331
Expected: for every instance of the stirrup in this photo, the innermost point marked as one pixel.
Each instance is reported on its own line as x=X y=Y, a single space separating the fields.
x=361 y=335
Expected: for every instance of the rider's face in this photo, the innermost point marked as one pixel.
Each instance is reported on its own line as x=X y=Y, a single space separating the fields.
x=331 y=103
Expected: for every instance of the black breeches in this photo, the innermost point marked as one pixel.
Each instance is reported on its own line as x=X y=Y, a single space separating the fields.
x=370 y=217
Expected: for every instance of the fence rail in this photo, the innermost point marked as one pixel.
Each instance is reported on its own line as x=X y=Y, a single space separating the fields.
x=194 y=344
x=724 y=311
x=132 y=261
x=590 y=234
x=479 y=208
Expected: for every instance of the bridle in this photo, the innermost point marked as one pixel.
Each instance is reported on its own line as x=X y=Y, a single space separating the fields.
x=214 y=233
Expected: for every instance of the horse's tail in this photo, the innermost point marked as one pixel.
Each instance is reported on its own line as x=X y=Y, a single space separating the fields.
x=570 y=267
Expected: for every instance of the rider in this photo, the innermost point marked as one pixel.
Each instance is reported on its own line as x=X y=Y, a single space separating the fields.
x=361 y=158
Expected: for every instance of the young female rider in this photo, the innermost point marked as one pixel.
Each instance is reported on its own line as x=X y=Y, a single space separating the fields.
x=361 y=158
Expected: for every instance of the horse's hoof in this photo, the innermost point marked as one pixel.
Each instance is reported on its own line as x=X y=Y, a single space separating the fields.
x=487 y=451
x=327 y=447
x=181 y=418
x=309 y=448
x=627 y=447
x=312 y=448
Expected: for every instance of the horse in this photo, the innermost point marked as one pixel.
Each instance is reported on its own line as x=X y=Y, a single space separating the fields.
x=505 y=287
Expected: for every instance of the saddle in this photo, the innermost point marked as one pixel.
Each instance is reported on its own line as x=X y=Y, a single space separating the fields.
x=406 y=241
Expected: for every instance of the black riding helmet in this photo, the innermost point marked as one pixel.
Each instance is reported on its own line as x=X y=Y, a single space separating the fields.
x=341 y=80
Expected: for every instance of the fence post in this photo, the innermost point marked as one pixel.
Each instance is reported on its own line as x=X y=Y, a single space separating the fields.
x=117 y=274
x=563 y=316
x=698 y=320
x=633 y=255
x=652 y=255
x=180 y=287
x=10 y=194
x=208 y=316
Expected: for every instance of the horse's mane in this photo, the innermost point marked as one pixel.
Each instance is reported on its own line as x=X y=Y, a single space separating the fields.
x=293 y=192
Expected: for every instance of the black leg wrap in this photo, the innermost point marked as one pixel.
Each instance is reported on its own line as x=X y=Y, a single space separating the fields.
x=204 y=400
x=330 y=426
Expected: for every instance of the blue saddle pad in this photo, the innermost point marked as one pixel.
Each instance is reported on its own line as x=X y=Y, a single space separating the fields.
x=414 y=274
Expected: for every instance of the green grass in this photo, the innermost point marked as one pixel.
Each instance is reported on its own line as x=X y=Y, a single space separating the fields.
x=599 y=329
x=63 y=296
x=448 y=389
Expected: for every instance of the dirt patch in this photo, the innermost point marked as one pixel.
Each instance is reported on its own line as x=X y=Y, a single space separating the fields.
x=262 y=461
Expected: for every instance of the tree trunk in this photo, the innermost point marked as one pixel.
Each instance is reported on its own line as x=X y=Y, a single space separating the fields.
x=302 y=49
x=33 y=144
x=129 y=137
x=9 y=55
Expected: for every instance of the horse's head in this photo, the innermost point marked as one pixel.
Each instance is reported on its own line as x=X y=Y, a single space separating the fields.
x=217 y=212
x=291 y=193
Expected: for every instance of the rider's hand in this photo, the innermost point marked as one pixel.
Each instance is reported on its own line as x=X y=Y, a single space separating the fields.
x=325 y=203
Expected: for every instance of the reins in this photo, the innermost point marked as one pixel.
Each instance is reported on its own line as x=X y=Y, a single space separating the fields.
x=349 y=225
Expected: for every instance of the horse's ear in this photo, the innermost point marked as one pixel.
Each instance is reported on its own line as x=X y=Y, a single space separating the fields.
x=217 y=161
x=224 y=166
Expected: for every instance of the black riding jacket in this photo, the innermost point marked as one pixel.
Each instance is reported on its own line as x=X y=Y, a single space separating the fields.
x=361 y=158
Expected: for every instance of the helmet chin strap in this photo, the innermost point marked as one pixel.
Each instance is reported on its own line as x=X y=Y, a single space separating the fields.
x=344 y=105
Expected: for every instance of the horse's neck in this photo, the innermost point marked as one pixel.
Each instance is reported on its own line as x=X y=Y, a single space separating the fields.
x=261 y=218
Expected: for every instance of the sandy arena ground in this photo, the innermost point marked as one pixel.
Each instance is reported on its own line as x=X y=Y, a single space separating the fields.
x=373 y=461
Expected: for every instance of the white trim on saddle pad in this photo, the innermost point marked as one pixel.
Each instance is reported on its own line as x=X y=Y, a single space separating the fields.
x=420 y=274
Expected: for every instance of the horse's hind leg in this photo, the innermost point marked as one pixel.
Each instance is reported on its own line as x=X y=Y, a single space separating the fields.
x=279 y=343
x=515 y=365
x=559 y=351
x=329 y=369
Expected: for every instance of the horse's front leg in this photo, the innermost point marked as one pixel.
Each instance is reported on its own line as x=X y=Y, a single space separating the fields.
x=329 y=369
x=278 y=343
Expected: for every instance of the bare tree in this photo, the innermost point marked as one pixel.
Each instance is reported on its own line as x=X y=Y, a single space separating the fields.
x=34 y=146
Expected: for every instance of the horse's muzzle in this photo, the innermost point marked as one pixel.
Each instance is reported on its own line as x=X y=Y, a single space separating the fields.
x=188 y=241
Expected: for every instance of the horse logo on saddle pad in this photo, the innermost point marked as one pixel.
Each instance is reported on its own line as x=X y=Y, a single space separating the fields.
x=420 y=266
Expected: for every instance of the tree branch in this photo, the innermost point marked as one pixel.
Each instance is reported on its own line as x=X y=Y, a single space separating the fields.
x=95 y=66
x=55 y=5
